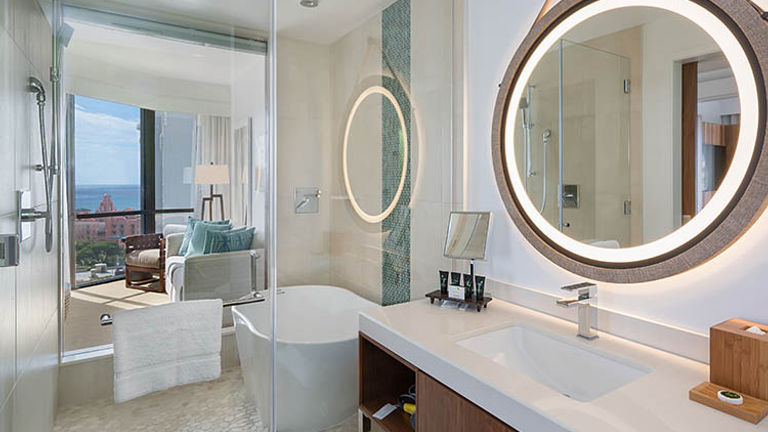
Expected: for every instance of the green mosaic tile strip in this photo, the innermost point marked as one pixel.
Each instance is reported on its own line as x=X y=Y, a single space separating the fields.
x=396 y=241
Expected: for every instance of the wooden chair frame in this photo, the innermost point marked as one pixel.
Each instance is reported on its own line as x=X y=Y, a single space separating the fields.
x=144 y=242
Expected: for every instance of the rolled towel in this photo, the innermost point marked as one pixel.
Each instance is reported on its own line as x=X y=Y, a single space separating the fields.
x=160 y=347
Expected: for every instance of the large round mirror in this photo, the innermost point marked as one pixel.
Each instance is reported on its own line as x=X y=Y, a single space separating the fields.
x=627 y=130
x=375 y=142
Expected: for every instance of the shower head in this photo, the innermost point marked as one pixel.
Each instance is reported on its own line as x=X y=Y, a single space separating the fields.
x=36 y=87
x=547 y=133
x=524 y=103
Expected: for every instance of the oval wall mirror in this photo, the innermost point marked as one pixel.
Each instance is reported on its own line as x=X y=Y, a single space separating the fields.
x=627 y=134
x=363 y=160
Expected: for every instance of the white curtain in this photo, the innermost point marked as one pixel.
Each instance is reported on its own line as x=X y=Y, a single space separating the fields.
x=239 y=174
x=214 y=144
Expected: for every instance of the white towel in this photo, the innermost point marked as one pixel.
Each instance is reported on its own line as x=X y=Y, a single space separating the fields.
x=608 y=244
x=160 y=347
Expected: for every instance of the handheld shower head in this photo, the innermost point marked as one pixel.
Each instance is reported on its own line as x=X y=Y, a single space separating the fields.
x=35 y=86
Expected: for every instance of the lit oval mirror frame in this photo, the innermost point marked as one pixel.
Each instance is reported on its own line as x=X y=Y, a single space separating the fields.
x=733 y=28
x=388 y=96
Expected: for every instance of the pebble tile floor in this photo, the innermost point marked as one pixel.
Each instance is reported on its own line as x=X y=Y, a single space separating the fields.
x=214 y=406
x=220 y=405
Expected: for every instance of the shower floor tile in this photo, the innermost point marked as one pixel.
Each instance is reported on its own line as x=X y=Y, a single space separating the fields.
x=214 y=406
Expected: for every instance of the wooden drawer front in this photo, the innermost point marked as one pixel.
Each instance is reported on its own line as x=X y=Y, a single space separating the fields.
x=440 y=409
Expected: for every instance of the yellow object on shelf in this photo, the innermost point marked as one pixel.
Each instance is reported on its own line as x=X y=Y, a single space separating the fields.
x=409 y=408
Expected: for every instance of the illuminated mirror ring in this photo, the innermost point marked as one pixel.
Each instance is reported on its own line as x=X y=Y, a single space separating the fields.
x=738 y=30
x=371 y=91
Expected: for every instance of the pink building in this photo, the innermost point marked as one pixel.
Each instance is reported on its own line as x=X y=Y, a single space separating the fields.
x=111 y=228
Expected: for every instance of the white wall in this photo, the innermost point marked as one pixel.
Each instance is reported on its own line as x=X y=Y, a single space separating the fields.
x=29 y=319
x=731 y=285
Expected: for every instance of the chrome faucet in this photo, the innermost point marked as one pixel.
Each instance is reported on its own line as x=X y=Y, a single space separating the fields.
x=586 y=292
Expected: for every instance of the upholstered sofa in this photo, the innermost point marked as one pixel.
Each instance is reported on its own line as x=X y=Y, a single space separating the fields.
x=226 y=276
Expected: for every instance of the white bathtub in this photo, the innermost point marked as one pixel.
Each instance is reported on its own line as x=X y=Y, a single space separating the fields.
x=316 y=355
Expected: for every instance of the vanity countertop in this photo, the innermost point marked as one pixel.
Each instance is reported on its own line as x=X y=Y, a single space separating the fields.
x=425 y=335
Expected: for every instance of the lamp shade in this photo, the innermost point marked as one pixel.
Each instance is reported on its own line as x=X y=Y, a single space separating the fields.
x=212 y=174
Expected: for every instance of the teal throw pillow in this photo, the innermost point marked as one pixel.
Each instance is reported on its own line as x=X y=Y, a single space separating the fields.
x=197 y=242
x=228 y=241
x=191 y=221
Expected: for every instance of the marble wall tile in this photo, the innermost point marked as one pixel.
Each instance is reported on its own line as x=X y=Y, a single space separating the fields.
x=7 y=322
x=35 y=396
x=28 y=293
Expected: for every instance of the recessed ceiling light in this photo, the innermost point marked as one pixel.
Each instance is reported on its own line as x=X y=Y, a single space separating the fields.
x=309 y=3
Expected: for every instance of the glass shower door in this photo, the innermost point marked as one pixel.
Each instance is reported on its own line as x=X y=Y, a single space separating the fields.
x=595 y=163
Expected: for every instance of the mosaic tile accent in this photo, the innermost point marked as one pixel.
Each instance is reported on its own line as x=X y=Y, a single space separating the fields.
x=396 y=241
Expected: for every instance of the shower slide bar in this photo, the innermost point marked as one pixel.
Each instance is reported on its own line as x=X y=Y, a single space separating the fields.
x=106 y=319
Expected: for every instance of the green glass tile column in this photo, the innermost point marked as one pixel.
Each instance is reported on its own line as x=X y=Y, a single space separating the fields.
x=396 y=241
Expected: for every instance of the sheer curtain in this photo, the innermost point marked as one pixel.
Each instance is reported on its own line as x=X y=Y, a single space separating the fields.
x=239 y=174
x=214 y=145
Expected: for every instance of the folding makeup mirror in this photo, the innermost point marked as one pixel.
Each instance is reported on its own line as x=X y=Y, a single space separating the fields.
x=467 y=237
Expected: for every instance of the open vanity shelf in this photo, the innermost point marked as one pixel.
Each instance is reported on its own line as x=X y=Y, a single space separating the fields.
x=384 y=376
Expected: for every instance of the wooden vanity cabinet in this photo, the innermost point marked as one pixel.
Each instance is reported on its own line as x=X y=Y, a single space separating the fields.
x=384 y=376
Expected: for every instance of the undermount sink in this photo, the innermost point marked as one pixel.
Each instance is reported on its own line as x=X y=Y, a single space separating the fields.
x=566 y=365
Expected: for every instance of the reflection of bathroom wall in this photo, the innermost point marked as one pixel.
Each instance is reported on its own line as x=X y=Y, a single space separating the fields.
x=431 y=154
x=303 y=160
x=355 y=246
x=674 y=40
x=337 y=246
x=544 y=114
x=596 y=141
x=629 y=44
x=358 y=260
x=29 y=295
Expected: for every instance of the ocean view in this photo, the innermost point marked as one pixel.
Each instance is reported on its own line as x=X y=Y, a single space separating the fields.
x=124 y=196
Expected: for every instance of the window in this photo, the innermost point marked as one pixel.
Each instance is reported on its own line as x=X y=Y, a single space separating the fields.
x=132 y=176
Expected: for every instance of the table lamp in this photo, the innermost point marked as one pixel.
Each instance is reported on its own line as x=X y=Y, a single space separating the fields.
x=211 y=175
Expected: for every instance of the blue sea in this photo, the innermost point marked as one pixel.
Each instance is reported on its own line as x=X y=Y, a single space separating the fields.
x=124 y=196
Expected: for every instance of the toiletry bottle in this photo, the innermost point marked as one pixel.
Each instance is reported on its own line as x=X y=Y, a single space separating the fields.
x=456 y=278
x=479 y=288
x=467 y=287
x=443 y=282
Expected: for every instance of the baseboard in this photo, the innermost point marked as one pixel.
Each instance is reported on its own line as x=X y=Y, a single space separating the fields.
x=675 y=340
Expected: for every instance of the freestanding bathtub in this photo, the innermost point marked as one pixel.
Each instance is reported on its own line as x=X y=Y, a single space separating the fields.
x=316 y=355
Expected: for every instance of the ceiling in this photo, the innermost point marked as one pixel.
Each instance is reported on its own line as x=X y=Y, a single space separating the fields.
x=156 y=56
x=324 y=24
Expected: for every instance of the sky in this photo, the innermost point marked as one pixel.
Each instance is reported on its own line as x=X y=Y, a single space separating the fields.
x=107 y=143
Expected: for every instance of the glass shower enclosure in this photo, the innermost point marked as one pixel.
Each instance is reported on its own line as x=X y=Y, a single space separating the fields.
x=576 y=159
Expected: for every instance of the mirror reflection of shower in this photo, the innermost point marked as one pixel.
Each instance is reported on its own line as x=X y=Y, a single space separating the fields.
x=526 y=105
x=47 y=168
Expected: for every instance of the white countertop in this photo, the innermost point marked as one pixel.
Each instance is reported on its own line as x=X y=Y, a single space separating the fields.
x=425 y=335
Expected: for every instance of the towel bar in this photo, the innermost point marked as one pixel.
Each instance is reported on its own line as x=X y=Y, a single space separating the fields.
x=106 y=319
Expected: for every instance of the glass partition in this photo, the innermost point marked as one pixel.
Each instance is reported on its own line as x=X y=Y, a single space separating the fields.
x=165 y=119
x=364 y=157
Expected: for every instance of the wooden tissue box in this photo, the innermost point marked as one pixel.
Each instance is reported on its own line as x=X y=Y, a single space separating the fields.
x=738 y=359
